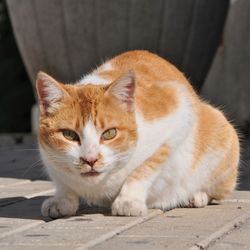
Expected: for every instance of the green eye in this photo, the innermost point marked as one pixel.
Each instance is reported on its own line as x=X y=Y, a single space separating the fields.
x=70 y=135
x=109 y=134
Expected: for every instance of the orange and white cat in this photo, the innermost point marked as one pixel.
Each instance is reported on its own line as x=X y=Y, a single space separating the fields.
x=133 y=135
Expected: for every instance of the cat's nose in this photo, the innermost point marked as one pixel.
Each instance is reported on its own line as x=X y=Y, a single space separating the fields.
x=90 y=162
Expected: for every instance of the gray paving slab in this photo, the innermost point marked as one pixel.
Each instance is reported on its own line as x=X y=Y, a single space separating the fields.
x=21 y=163
x=20 y=216
x=76 y=232
x=177 y=229
x=238 y=239
x=19 y=157
x=12 y=182
x=243 y=196
x=26 y=189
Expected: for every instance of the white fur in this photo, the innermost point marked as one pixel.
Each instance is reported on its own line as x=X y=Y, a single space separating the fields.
x=173 y=184
x=53 y=92
x=90 y=148
x=122 y=89
x=105 y=67
x=94 y=78
x=200 y=199
x=56 y=207
x=177 y=130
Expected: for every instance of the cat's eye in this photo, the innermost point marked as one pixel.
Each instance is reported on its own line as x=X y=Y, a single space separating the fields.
x=70 y=135
x=109 y=134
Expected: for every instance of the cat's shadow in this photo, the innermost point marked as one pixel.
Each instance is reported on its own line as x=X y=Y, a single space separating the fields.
x=23 y=208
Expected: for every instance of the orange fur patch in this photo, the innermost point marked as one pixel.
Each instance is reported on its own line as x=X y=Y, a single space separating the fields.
x=150 y=165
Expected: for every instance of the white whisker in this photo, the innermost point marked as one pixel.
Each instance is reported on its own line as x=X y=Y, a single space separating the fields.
x=35 y=164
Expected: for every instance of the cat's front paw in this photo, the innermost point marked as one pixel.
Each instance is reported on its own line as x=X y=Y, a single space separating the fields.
x=199 y=199
x=56 y=207
x=128 y=207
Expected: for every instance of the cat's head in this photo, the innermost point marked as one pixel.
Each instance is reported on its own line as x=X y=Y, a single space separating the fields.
x=88 y=130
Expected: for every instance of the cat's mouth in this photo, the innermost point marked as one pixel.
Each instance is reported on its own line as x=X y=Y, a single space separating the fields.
x=91 y=173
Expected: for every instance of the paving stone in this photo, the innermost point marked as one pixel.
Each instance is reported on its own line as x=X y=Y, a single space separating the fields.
x=26 y=189
x=72 y=232
x=243 y=196
x=238 y=239
x=32 y=247
x=177 y=229
x=20 y=216
x=21 y=163
x=19 y=157
x=12 y=193
x=12 y=181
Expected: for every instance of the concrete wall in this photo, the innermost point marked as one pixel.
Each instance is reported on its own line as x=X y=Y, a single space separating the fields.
x=228 y=82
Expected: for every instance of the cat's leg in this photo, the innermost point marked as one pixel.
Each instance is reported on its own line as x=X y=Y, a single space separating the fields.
x=131 y=201
x=63 y=203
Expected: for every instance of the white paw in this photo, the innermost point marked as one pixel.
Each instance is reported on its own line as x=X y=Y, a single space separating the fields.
x=56 y=207
x=200 y=199
x=128 y=207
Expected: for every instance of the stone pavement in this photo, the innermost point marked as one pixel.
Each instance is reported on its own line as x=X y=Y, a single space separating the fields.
x=23 y=187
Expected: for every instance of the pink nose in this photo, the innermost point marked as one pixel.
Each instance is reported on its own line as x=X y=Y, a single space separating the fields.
x=90 y=162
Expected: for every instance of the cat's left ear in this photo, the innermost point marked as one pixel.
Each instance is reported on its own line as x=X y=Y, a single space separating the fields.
x=123 y=89
x=49 y=92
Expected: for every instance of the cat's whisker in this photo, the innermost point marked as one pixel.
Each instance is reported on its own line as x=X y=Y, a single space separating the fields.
x=76 y=163
x=26 y=149
x=35 y=164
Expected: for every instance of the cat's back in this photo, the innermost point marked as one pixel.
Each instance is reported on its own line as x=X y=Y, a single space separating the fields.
x=147 y=65
x=159 y=84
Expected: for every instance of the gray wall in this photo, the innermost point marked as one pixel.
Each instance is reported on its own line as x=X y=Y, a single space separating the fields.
x=228 y=83
x=68 y=38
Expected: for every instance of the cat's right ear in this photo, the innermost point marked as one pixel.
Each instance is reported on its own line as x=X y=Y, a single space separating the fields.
x=123 y=89
x=49 y=92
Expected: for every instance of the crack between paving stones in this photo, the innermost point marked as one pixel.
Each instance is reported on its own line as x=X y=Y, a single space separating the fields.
x=237 y=200
x=21 y=229
x=223 y=231
x=31 y=225
x=23 y=198
x=45 y=192
x=119 y=230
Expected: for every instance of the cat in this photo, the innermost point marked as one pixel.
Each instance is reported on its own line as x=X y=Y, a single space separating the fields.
x=133 y=135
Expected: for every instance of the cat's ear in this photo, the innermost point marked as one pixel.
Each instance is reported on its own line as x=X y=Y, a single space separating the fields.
x=123 y=89
x=49 y=92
